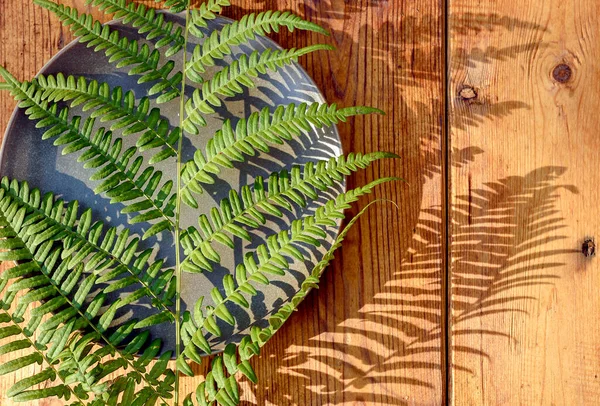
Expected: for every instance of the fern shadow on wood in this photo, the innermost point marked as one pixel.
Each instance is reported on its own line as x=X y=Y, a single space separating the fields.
x=397 y=331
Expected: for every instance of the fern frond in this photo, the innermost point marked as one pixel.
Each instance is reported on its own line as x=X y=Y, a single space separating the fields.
x=63 y=284
x=120 y=50
x=219 y=43
x=148 y=22
x=120 y=175
x=21 y=391
x=107 y=251
x=220 y=384
x=114 y=105
x=245 y=209
x=207 y=11
x=79 y=365
x=229 y=81
x=270 y=259
x=255 y=134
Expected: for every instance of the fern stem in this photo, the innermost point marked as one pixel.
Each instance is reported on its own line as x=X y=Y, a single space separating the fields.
x=178 y=214
x=41 y=353
x=70 y=233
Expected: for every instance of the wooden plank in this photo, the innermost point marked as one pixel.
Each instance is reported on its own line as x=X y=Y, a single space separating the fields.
x=525 y=303
x=373 y=333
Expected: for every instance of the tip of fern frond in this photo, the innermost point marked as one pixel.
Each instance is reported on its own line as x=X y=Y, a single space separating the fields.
x=369 y=110
x=327 y=47
x=7 y=76
x=385 y=154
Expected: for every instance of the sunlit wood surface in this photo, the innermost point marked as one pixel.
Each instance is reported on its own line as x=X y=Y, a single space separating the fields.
x=525 y=300
x=501 y=160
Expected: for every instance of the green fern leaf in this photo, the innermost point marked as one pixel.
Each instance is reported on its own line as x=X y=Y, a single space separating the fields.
x=255 y=134
x=19 y=391
x=219 y=43
x=244 y=209
x=269 y=258
x=108 y=257
x=122 y=178
x=22 y=211
x=120 y=50
x=148 y=21
x=207 y=11
x=236 y=359
x=229 y=81
x=114 y=105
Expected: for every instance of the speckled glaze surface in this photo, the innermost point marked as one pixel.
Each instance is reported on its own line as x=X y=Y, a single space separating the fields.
x=26 y=156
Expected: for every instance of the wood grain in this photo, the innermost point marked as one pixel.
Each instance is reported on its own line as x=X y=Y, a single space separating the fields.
x=373 y=333
x=525 y=301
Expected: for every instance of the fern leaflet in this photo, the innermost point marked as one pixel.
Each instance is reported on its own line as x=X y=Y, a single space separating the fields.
x=114 y=105
x=245 y=209
x=147 y=21
x=229 y=81
x=255 y=133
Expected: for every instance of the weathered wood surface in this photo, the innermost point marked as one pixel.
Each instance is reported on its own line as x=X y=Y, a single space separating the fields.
x=372 y=334
x=525 y=301
x=523 y=190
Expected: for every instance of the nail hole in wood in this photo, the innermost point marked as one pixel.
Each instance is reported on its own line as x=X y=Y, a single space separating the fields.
x=468 y=93
x=562 y=73
x=588 y=248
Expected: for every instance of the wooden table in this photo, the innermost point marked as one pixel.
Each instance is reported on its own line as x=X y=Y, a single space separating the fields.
x=474 y=292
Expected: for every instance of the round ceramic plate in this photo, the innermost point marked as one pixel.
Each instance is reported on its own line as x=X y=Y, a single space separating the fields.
x=25 y=156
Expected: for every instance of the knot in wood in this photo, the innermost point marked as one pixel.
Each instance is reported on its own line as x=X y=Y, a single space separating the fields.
x=562 y=73
x=588 y=248
x=468 y=93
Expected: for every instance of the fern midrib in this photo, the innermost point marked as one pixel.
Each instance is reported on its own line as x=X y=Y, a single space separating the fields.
x=74 y=22
x=42 y=354
x=251 y=137
x=266 y=198
x=95 y=247
x=263 y=62
x=178 y=273
x=107 y=102
x=231 y=41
